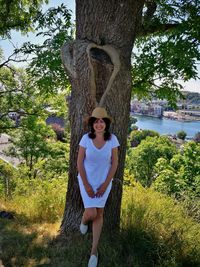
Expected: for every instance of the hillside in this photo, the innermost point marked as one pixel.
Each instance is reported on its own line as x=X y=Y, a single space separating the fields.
x=192 y=98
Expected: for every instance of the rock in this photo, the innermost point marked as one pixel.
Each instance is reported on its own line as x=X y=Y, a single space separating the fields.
x=6 y=215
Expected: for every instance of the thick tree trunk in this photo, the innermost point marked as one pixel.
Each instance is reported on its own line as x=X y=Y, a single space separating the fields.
x=98 y=63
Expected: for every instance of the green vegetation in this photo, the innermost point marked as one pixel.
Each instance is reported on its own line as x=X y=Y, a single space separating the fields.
x=197 y=137
x=18 y=15
x=141 y=160
x=155 y=231
x=160 y=212
x=157 y=228
x=181 y=173
x=181 y=135
x=137 y=136
x=131 y=125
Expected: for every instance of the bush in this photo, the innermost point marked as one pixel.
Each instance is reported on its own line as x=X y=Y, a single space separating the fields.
x=181 y=135
x=197 y=137
x=181 y=175
x=137 y=136
x=142 y=159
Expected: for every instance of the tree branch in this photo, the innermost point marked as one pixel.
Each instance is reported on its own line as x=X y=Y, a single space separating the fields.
x=151 y=9
x=146 y=30
x=148 y=25
x=11 y=59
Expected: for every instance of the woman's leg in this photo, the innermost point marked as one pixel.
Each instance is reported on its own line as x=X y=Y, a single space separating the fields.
x=89 y=215
x=96 y=229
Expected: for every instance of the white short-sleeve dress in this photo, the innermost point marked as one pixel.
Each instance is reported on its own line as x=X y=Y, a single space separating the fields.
x=97 y=164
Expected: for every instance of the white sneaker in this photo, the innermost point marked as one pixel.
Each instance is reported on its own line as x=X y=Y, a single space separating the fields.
x=83 y=228
x=93 y=261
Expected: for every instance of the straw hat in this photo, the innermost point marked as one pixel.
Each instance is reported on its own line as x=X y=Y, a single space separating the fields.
x=99 y=113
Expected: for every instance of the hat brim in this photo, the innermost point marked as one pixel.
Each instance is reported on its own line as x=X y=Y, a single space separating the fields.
x=86 y=120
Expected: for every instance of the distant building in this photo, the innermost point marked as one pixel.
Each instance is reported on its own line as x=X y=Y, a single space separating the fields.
x=158 y=110
x=149 y=109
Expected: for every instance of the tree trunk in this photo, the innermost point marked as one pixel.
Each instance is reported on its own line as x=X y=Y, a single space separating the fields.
x=98 y=63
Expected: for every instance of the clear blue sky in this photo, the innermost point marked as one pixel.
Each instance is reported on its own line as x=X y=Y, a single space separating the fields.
x=18 y=39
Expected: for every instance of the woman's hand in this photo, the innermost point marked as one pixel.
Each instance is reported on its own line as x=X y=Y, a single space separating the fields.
x=89 y=190
x=101 y=190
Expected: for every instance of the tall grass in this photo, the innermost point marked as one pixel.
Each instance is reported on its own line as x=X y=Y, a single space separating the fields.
x=38 y=200
x=158 y=230
x=155 y=231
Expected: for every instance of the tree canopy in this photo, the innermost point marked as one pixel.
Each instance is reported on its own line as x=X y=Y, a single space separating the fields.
x=167 y=48
x=18 y=15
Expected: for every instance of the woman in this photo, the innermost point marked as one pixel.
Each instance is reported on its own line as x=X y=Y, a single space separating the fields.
x=97 y=163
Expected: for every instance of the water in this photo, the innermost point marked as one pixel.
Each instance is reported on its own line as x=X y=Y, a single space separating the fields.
x=166 y=126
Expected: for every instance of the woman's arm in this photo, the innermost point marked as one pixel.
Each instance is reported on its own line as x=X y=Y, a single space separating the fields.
x=81 y=170
x=111 y=173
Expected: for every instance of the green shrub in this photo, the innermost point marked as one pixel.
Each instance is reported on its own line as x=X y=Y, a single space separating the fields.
x=142 y=159
x=181 y=135
x=137 y=136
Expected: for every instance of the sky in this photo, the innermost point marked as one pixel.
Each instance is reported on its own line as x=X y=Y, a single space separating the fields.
x=18 y=39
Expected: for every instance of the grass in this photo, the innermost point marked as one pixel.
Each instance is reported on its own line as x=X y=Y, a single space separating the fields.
x=155 y=231
x=159 y=230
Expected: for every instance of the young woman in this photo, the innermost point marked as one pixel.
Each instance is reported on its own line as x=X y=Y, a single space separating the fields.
x=97 y=163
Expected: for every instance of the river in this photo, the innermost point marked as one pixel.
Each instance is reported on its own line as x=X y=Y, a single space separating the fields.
x=167 y=126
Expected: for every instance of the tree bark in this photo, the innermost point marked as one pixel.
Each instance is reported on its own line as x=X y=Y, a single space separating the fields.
x=98 y=63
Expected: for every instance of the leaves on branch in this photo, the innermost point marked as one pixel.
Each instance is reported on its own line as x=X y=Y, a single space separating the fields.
x=18 y=15
x=170 y=53
x=46 y=67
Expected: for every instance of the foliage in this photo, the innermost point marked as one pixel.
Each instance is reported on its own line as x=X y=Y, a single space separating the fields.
x=169 y=52
x=22 y=181
x=40 y=199
x=59 y=131
x=181 y=135
x=142 y=159
x=45 y=78
x=42 y=158
x=46 y=67
x=30 y=141
x=137 y=136
x=19 y=95
x=167 y=180
x=131 y=124
x=56 y=164
x=158 y=230
x=155 y=231
x=197 y=137
x=18 y=15
x=14 y=93
x=7 y=182
x=180 y=177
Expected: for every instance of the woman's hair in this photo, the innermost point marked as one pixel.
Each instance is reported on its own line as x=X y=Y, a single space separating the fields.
x=92 y=135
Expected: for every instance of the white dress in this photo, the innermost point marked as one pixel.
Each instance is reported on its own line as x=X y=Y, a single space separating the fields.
x=97 y=164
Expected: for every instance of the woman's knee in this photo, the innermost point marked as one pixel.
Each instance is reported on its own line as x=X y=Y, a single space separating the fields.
x=90 y=214
x=100 y=213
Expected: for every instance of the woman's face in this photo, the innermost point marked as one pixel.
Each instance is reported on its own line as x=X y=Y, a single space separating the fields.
x=99 y=125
